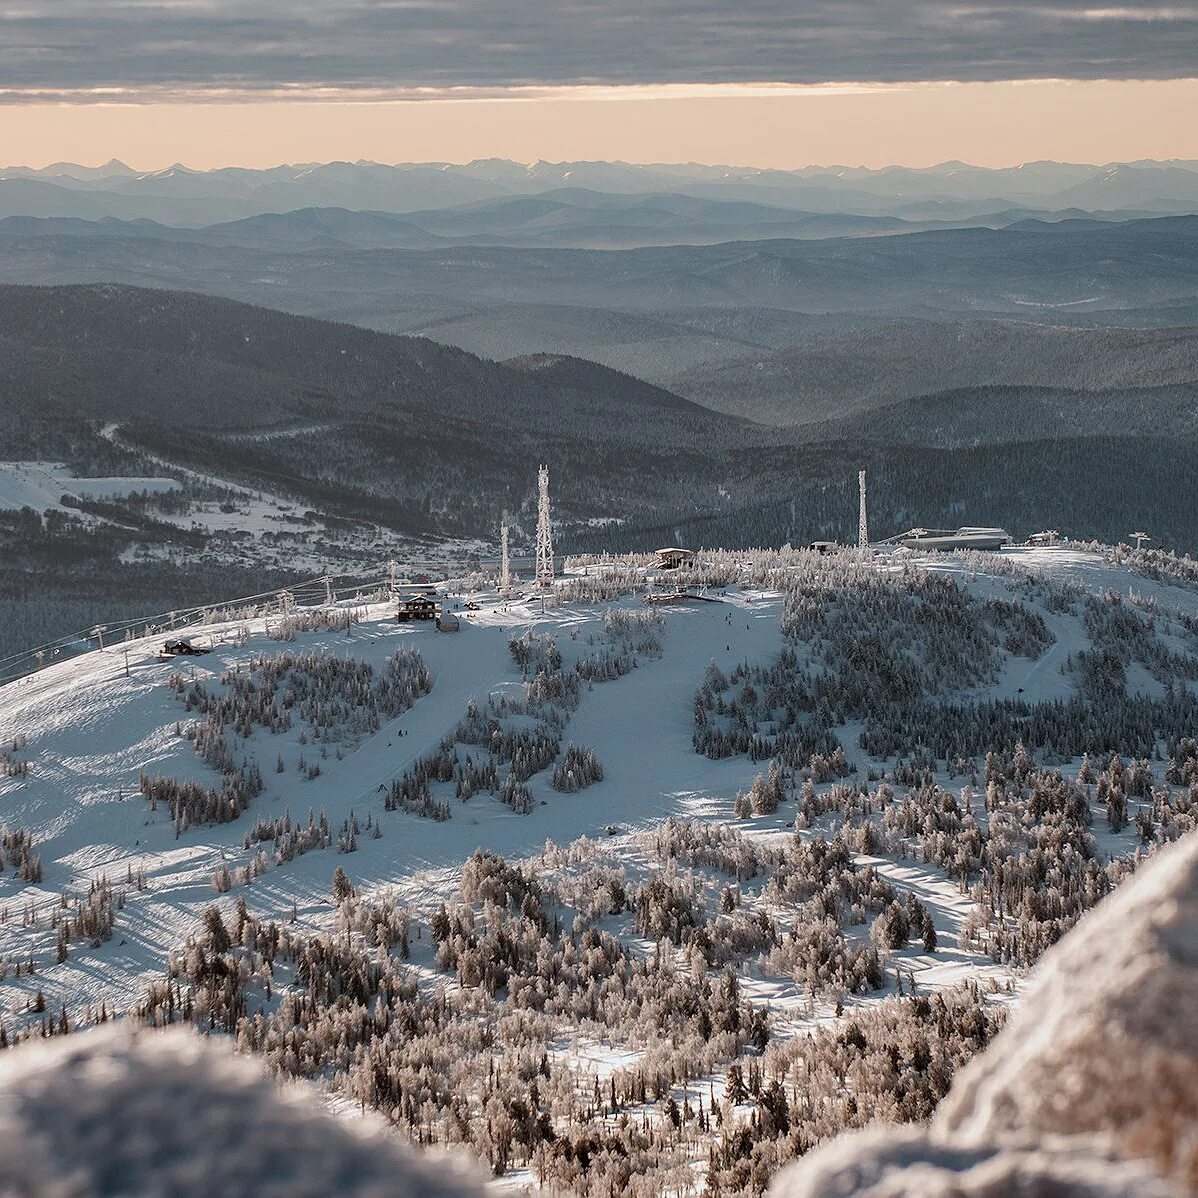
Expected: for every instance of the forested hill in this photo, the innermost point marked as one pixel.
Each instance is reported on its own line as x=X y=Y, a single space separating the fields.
x=997 y=415
x=830 y=373
x=424 y=438
x=432 y=441
x=116 y=353
x=590 y=384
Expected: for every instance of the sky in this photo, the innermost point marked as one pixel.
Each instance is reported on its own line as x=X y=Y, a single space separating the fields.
x=763 y=82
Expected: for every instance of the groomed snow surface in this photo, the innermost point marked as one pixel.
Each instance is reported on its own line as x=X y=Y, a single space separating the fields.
x=41 y=486
x=92 y=730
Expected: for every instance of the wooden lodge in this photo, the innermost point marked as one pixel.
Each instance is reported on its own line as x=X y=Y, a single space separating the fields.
x=672 y=558
x=416 y=607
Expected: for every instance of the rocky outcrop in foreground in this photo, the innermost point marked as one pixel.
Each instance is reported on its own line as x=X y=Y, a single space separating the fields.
x=170 y=1113
x=1090 y=1089
x=919 y=1163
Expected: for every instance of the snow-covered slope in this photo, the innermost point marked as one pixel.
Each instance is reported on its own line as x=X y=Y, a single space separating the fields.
x=300 y=726
x=41 y=485
x=93 y=729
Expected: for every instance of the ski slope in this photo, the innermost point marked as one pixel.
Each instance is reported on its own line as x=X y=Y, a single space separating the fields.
x=41 y=486
x=95 y=723
x=93 y=729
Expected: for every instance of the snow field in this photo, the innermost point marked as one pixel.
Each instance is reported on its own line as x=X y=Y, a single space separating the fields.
x=41 y=486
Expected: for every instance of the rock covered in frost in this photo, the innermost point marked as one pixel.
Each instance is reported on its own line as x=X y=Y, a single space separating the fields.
x=1106 y=1040
x=157 y=1113
x=1090 y=1090
x=904 y=1162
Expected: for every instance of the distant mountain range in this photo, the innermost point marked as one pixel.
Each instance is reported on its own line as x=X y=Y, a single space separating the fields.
x=569 y=218
x=862 y=370
x=705 y=353
x=949 y=191
x=779 y=330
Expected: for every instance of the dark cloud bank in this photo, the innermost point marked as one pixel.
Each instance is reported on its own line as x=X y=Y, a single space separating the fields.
x=61 y=45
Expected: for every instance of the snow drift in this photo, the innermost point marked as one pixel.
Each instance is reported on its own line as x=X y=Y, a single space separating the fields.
x=157 y=1113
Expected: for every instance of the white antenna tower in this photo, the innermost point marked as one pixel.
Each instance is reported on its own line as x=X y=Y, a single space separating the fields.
x=544 y=531
x=863 y=521
x=1139 y=538
x=505 y=572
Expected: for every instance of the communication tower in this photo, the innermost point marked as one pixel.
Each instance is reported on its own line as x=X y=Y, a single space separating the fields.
x=505 y=573
x=863 y=521
x=544 y=531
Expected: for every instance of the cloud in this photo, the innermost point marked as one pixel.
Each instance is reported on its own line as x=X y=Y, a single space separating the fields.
x=79 y=48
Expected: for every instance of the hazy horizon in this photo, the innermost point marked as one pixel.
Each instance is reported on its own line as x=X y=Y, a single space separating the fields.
x=988 y=124
x=675 y=164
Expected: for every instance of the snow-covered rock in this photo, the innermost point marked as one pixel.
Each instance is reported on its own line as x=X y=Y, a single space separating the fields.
x=157 y=1113
x=1107 y=1039
x=913 y=1163
x=1100 y=1062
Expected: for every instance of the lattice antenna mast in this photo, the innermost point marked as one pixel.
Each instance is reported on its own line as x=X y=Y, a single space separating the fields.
x=544 y=531
x=863 y=521
x=505 y=572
